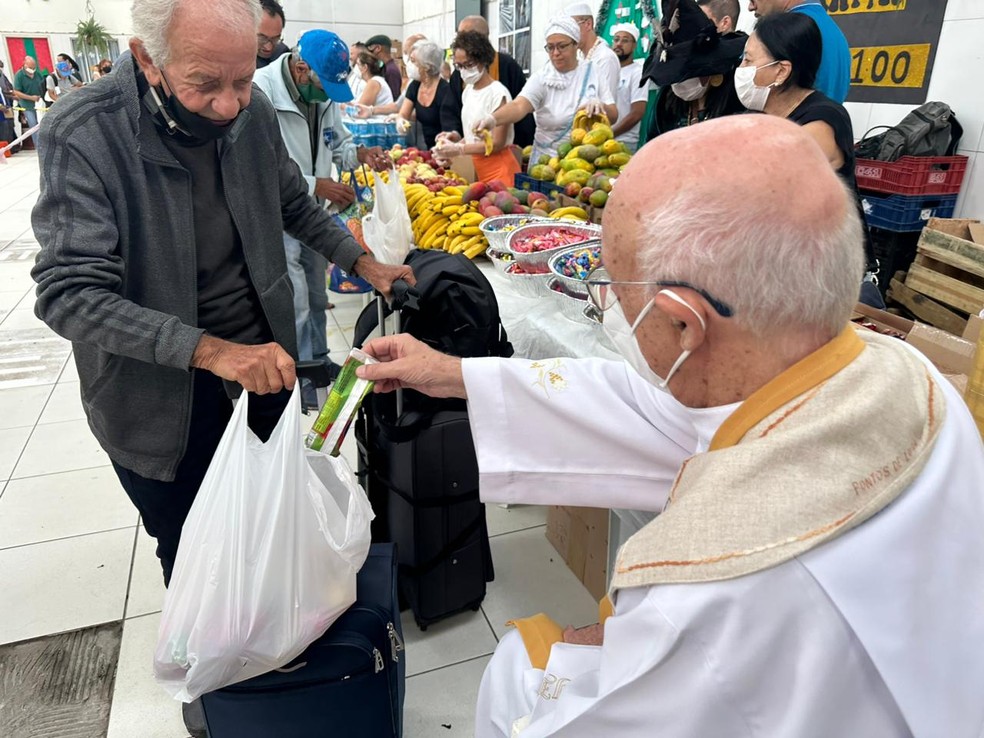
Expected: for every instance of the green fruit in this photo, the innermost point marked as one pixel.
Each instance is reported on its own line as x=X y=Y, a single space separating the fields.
x=599 y=198
x=571 y=164
x=544 y=159
x=602 y=162
x=542 y=172
x=610 y=172
x=564 y=149
x=619 y=160
x=588 y=152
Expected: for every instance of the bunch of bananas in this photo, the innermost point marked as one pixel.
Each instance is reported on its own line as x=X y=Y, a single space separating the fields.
x=441 y=221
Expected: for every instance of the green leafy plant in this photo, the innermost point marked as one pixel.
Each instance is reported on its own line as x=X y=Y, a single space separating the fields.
x=92 y=36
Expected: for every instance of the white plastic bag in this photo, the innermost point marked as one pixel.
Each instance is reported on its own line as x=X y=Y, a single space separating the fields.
x=267 y=559
x=387 y=228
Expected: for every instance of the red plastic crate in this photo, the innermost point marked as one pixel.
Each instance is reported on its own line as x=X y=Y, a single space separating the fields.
x=912 y=175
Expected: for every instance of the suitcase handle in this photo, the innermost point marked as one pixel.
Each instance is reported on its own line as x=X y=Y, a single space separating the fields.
x=404 y=296
x=292 y=669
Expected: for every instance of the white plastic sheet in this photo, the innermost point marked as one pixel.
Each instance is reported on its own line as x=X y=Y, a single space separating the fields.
x=267 y=560
x=387 y=228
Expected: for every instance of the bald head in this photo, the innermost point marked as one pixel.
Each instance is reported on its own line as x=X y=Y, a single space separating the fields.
x=410 y=42
x=474 y=23
x=741 y=206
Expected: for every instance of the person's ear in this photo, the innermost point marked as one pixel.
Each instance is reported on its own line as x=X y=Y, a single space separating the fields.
x=785 y=72
x=687 y=313
x=146 y=64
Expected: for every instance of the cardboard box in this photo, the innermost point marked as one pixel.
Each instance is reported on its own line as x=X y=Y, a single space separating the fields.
x=952 y=355
x=580 y=535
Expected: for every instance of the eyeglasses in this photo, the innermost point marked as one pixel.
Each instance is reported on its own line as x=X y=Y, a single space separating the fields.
x=551 y=48
x=267 y=40
x=469 y=65
x=603 y=297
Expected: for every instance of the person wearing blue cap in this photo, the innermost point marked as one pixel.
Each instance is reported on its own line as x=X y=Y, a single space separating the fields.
x=307 y=87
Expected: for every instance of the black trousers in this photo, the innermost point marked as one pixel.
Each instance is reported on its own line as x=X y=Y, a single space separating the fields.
x=163 y=506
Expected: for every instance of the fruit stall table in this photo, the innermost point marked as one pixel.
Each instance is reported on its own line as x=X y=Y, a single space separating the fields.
x=537 y=330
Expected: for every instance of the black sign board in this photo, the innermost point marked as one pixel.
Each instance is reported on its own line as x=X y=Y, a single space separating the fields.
x=893 y=46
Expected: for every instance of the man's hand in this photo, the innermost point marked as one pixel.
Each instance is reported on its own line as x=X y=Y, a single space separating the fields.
x=340 y=194
x=485 y=124
x=375 y=157
x=382 y=276
x=589 y=635
x=261 y=369
x=409 y=363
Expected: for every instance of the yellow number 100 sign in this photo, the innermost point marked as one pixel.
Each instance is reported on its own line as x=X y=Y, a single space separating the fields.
x=889 y=66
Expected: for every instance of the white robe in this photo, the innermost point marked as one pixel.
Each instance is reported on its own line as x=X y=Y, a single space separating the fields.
x=879 y=632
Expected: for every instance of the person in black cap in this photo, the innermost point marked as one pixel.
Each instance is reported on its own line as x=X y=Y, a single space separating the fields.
x=379 y=46
x=694 y=66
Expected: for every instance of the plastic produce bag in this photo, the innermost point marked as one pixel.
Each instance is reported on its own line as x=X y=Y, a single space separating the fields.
x=267 y=559
x=387 y=228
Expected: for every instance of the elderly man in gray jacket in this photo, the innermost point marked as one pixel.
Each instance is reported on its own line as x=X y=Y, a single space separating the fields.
x=307 y=88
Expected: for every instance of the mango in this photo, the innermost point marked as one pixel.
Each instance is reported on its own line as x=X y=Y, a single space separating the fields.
x=538 y=213
x=610 y=172
x=564 y=149
x=598 y=198
x=527 y=152
x=569 y=164
x=602 y=162
x=535 y=197
x=555 y=163
x=619 y=160
x=577 y=136
x=586 y=152
x=544 y=158
x=611 y=146
x=541 y=172
x=474 y=192
x=574 y=175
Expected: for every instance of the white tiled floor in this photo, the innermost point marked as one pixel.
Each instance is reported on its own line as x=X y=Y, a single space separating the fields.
x=72 y=553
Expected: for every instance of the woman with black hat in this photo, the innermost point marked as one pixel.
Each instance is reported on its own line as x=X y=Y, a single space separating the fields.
x=693 y=65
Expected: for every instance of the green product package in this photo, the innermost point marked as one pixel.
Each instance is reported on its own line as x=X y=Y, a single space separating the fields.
x=343 y=403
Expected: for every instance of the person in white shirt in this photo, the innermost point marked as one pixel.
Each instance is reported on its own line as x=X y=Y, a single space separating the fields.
x=592 y=47
x=376 y=92
x=631 y=98
x=557 y=92
x=355 y=81
x=817 y=568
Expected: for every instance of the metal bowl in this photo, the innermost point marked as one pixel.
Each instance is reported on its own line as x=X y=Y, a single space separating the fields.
x=574 y=285
x=500 y=260
x=571 y=307
x=542 y=258
x=493 y=227
x=527 y=285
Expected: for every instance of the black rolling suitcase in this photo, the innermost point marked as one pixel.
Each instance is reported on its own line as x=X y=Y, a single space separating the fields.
x=416 y=456
x=349 y=683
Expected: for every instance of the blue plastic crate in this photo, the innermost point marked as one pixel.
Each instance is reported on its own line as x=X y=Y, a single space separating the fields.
x=526 y=182
x=902 y=213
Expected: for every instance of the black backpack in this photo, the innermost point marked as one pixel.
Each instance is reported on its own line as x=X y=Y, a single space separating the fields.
x=453 y=309
x=929 y=130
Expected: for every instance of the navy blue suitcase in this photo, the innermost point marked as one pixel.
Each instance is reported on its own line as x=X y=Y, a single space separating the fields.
x=350 y=682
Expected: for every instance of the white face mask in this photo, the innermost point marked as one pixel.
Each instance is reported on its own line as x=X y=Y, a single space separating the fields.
x=622 y=334
x=751 y=95
x=413 y=71
x=30 y=72
x=471 y=76
x=690 y=89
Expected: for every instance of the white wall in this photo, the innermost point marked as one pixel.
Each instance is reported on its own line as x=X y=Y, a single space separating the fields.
x=353 y=20
x=435 y=19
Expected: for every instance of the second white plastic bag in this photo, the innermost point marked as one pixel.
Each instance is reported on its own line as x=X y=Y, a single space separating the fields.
x=387 y=228
x=267 y=560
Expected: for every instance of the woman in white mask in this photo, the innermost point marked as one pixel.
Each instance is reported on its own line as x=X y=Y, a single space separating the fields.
x=692 y=63
x=482 y=96
x=556 y=93
x=776 y=77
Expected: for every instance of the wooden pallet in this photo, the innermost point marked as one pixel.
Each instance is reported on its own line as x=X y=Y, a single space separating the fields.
x=946 y=281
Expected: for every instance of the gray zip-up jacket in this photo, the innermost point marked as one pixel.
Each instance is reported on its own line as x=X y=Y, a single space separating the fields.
x=117 y=269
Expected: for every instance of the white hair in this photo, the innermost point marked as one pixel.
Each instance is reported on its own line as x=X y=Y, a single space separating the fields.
x=776 y=274
x=152 y=21
x=429 y=56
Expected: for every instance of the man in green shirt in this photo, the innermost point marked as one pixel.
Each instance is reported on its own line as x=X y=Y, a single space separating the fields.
x=28 y=88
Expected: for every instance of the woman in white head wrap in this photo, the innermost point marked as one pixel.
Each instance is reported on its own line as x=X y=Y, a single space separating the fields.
x=556 y=92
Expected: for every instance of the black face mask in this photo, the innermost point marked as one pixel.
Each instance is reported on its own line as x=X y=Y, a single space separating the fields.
x=192 y=125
